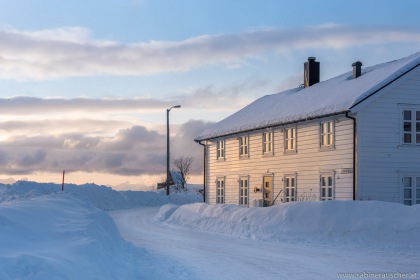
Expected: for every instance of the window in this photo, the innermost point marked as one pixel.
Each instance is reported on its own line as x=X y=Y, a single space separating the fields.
x=243 y=146
x=411 y=126
x=290 y=139
x=220 y=190
x=268 y=142
x=221 y=149
x=327 y=134
x=327 y=187
x=411 y=190
x=243 y=191
x=290 y=188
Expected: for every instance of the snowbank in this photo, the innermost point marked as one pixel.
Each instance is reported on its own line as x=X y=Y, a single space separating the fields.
x=102 y=197
x=60 y=236
x=359 y=223
x=50 y=234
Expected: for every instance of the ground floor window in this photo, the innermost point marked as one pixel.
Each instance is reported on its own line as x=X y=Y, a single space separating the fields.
x=243 y=191
x=327 y=186
x=411 y=190
x=290 y=188
x=220 y=190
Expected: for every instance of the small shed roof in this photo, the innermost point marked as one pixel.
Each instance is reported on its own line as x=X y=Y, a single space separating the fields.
x=177 y=177
x=337 y=95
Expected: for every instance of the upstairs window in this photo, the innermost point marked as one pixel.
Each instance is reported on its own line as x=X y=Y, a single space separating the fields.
x=327 y=134
x=243 y=146
x=411 y=126
x=290 y=139
x=221 y=149
x=268 y=142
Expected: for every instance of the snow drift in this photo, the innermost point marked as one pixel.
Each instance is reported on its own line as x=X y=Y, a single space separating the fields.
x=102 y=197
x=59 y=236
x=50 y=234
x=358 y=223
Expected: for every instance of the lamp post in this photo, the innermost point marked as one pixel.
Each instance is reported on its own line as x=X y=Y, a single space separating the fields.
x=167 y=147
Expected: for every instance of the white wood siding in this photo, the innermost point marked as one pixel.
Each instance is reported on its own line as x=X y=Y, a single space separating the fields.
x=381 y=157
x=308 y=163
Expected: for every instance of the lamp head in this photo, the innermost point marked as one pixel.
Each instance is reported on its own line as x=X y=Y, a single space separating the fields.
x=176 y=106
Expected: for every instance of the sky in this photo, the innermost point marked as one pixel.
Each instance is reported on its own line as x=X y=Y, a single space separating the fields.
x=84 y=85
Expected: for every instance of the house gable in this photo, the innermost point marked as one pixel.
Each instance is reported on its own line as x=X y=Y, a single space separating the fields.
x=383 y=157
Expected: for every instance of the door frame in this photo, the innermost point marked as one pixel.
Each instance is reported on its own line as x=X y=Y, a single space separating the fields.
x=271 y=176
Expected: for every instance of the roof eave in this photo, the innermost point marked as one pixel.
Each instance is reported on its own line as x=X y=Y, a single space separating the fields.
x=197 y=140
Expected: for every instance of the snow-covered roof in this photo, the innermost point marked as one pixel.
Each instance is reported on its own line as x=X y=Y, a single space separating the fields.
x=336 y=95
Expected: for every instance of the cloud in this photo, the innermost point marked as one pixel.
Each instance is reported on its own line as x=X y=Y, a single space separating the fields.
x=71 y=51
x=208 y=97
x=33 y=105
x=30 y=127
x=35 y=157
x=183 y=143
x=133 y=151
x=230 y=96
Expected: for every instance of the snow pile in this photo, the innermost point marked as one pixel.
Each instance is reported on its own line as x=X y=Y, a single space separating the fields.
x=357 y=223
x=50 y=234
x=60 y=236
x=102 y=197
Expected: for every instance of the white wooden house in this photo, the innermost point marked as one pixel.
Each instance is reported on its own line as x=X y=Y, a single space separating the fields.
x=355 y=136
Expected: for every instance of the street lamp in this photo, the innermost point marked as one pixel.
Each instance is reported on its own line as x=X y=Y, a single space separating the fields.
x=167 y=147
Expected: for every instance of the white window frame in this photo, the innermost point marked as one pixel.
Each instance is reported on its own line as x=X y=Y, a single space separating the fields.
x=327 y=186
x=220 y=190
x=290 y=188
x=410 y=190
x=244 y=190
x=244 y=146
x=221 y=151
x=327 y=134
x=414 y=123
x=290 y=139
x=267 y=142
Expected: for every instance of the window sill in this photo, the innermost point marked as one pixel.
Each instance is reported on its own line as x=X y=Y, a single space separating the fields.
x=409 y=146
x=326 y=148
x=244 y=157
x=290 y=152
x=265 y=155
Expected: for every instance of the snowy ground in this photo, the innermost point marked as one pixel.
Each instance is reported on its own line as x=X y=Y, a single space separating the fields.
x=230 y=242
x=49 y=234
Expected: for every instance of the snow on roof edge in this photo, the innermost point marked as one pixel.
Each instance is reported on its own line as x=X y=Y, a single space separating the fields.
x=268 y=125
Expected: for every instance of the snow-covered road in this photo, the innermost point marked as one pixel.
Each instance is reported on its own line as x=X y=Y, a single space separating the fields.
x=198 y=255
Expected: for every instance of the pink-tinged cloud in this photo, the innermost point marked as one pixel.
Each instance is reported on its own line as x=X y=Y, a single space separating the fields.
x=68 y=52
x=132 y=151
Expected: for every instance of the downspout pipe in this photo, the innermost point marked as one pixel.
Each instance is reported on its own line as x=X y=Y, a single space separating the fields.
x=354 y=152
x=204 y=165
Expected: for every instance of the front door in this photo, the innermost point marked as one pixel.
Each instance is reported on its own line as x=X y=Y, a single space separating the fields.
x=267 y=190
